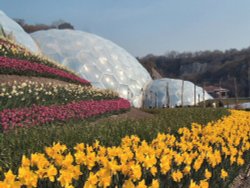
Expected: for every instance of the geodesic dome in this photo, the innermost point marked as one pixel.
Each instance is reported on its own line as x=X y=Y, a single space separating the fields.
x=96 y=59
x=10 y=27
x=166 y=91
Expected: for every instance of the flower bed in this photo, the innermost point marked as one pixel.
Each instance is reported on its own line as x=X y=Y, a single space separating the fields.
x=17 y=95
x=15 y=66
x=10 y=49
x=202 y=156
x=38 y=115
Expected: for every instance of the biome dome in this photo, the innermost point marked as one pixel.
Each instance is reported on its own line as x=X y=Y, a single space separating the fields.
x=10 y=27
x=100 y=61
x=156 y=93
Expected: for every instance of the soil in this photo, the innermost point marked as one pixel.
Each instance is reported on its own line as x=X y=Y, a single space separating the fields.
x=242 y=180
x=11 y=78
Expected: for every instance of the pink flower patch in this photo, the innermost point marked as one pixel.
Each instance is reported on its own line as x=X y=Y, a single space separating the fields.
x=38 y=115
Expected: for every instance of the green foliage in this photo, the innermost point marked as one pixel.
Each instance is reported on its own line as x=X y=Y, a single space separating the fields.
x=15 y=143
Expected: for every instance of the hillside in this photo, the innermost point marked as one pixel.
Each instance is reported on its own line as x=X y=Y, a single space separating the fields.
x=207 y=67
x=36 y=91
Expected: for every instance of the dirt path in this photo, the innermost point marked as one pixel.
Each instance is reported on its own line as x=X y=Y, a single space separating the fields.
x=11 y=78
x=133 y=114
x=242 y=180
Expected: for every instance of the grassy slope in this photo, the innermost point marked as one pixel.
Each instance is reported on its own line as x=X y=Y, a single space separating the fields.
x=26 y=141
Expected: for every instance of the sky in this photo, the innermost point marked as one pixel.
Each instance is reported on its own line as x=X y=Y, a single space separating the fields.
x=147 y=26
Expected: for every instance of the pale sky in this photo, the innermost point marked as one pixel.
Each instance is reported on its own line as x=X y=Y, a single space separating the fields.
x=147 y=26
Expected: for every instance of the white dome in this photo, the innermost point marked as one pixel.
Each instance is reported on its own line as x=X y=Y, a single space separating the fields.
x=156 y=93
x=96 y=59
x=10 y=27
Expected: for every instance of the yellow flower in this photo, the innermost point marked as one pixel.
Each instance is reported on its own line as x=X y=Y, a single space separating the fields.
x=92 y=181
x=208 y=174
x=149 y=161
x=51 y=173
x=96 y=144
x=155 y=184
x=193 y=184
x=165 y=164
x=178 y=158
x=204 y=184
x=177 y=176
x=9 y=177
x=76 y=171
x=41 y=172
x=39 y=160
x=223 y=174
x=3 y=184
x=27 y=177
x=10 y=181
x=80 y=157
x=68 y=160
x=135 y=172
x=240 y=161
x=105 y=177
x=65 y=177
x=198 y=162
x=25 y=161
x=79 y=147
x=153 y=170
x=186 y=170
x=141 y=184
x=128 y=184
x=90 y=160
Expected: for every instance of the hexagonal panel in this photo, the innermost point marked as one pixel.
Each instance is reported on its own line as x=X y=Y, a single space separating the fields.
x=91 y=72
x=109 y=81
x=98 y=60
x=124 y=91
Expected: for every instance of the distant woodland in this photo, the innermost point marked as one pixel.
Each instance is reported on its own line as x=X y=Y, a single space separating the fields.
x=30 y=28
x=205 y=68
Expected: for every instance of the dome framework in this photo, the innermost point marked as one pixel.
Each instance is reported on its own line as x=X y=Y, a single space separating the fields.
x=103 y=63
x=167 y=92
x=16 y=32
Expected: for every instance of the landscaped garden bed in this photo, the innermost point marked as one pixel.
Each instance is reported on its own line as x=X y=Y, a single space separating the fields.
x=201 y=156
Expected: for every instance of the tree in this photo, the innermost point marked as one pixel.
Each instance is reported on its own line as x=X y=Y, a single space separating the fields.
x=65 y=25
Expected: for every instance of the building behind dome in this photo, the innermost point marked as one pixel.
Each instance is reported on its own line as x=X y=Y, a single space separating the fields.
x=167 y=92
x=103 y=63
x=15 y=31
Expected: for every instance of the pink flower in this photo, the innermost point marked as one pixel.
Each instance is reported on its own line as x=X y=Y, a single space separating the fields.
x=38 y=115
x=23 y=65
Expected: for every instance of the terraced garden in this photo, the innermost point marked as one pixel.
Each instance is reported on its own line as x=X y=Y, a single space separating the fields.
x=65 y=133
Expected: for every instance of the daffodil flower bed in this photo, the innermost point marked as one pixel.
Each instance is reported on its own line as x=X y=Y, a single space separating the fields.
x=18 y=95
x=203 y=156
x=40 y=115
x=12 y=50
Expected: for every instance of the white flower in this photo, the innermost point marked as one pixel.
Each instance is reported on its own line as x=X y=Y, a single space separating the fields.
x=24 y=84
